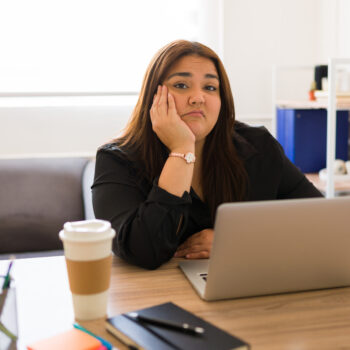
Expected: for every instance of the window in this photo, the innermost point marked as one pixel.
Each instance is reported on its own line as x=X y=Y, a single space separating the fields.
x=87 y=45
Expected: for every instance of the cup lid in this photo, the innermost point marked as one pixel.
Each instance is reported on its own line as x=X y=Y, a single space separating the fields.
x=87 y=230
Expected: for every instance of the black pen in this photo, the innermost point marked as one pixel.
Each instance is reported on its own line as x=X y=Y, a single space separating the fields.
x=183 y=327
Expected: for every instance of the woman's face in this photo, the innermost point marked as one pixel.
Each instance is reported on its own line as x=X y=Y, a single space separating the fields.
x=194 y=83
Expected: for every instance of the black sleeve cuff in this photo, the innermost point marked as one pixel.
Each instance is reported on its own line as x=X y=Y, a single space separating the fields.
x=158 y=194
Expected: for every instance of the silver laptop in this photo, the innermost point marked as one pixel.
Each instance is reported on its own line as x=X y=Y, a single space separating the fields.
x=271 y=247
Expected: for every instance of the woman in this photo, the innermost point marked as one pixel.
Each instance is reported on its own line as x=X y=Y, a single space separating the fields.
x=181 y=155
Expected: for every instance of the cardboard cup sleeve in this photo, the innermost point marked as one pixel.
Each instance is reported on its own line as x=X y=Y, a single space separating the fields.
x=89 y=277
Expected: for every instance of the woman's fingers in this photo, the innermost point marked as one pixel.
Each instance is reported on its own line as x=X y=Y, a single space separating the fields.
x=160 y=104
x=166 y=123
x=163 y=103
x=200 y=255
x=196 y=244
x=190 y=250
x=196 y=247
x=154 y=108
x=163 y=96
x=171 y=103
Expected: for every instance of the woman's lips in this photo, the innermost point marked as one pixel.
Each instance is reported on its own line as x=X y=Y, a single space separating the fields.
x=194 y=114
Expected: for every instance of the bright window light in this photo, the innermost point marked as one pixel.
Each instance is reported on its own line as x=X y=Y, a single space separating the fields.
x=87 y=45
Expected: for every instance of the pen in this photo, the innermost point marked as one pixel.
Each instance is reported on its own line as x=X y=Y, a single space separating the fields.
x=7 y=278
x=105 y=343
x=183 y=327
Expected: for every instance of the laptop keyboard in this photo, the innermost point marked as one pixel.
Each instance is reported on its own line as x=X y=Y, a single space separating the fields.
x=204 y=276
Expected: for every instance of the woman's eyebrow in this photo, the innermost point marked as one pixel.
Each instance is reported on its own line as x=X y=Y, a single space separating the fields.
x=179 y=74
x=212 y=76
x=188 y=74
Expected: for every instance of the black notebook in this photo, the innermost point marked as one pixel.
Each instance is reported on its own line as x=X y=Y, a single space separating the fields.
x=144 y=335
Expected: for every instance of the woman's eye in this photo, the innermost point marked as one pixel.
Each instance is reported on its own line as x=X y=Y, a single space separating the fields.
x=180 y=86
x=211 y=88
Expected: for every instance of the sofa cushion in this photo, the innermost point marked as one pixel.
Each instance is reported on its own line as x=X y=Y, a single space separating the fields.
x=37 y=196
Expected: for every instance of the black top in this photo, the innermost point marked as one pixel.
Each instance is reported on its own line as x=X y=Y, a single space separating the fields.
x=151 y=223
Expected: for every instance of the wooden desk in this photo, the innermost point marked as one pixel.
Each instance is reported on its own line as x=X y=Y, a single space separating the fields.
x=340 y=187
x=309 y=320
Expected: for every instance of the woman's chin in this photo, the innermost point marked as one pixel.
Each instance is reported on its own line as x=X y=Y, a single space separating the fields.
x=197 y=131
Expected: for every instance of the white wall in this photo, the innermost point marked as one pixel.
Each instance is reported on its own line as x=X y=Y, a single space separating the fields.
x=334 y=29
x=343 y=29
x=257 y=35
x=34 y=126
x=261 y=34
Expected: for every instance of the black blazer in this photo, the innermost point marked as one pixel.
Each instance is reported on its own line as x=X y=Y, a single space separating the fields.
x=151 y=223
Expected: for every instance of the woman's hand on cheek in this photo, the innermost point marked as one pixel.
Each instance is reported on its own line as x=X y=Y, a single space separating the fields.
x=198 y=246
x=167 y=124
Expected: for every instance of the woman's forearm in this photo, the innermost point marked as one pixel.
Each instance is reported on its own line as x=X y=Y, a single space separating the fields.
x=176 y=176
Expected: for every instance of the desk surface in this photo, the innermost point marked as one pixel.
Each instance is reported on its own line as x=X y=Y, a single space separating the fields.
x=309 y=320
x=340 y=187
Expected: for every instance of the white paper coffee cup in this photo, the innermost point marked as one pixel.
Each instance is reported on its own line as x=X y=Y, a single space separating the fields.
x=87 y=248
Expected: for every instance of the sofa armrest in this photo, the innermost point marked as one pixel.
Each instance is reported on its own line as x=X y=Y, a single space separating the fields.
x=88 y=179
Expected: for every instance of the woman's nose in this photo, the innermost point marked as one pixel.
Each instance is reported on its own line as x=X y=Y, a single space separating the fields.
x=196 y=98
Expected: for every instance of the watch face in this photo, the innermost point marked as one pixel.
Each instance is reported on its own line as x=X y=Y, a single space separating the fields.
x=190 y=158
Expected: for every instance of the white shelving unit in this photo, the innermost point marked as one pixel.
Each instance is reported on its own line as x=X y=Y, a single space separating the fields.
x=333 y=63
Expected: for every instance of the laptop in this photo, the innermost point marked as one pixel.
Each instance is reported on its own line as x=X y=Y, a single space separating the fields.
x=271 y=247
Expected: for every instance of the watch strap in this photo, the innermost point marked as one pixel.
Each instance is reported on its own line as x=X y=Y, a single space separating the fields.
x=189 y=157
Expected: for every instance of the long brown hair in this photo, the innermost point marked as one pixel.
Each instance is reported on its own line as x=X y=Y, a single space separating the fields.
x=224 y=177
